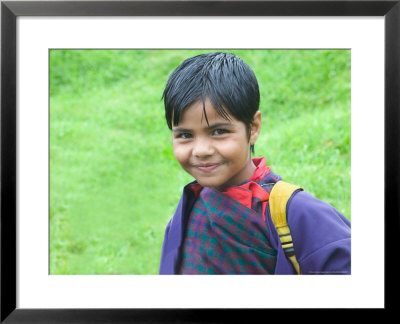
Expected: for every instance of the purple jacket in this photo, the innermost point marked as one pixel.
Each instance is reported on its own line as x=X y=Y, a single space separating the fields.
x=321 y=236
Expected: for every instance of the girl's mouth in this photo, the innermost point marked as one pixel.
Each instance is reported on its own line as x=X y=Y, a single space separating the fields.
x=207 y=167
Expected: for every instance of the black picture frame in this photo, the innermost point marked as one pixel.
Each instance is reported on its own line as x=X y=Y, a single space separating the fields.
x=10 y=10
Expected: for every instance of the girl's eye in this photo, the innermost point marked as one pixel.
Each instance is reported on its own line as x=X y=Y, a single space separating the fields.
x=219 y=131
x=184 y=135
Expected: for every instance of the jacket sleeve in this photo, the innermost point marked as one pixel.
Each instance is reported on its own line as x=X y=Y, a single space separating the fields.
x=163 y=260
x=173 y=237
x=321 y=235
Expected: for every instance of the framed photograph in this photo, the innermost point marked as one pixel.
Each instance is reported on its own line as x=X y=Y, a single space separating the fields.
x=81 y=157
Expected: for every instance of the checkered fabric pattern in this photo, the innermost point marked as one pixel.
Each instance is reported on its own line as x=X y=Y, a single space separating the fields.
x=226 y=237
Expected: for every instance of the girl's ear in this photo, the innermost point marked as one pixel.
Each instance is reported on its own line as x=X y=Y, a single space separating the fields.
x=255 y=127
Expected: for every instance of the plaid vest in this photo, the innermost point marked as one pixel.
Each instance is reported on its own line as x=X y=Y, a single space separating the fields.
x=224 y=236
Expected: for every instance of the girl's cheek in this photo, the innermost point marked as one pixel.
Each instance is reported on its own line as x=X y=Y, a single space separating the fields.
x=180 y=153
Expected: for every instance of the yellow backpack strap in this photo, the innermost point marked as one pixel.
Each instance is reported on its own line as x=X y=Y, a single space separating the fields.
x=278 y=198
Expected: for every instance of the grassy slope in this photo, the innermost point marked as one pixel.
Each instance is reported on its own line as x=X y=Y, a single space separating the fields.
x=114 y=180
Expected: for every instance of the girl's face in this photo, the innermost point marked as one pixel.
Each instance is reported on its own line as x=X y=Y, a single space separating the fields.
x=215 y=154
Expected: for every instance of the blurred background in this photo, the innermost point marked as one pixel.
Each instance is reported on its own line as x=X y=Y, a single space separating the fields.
x=114 y=182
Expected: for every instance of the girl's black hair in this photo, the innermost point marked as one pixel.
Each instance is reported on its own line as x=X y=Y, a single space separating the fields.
x=224 y=78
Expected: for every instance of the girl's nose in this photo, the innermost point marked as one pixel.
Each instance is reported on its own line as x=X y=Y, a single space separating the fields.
x=202 y=147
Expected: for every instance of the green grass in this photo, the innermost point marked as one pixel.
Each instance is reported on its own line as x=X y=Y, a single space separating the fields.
x=114 y=182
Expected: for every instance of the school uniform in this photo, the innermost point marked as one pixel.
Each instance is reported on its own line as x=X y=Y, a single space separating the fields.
x=231 y=232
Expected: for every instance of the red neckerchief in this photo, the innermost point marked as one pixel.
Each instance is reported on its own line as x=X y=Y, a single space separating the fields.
x=250 y=189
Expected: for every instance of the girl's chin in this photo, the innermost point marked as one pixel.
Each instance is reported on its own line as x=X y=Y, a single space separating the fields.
x=210 y=184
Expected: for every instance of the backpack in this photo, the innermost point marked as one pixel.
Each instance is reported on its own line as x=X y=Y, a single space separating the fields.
x=279 y=196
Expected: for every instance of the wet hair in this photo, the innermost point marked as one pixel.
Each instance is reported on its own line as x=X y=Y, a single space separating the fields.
x=224 y=78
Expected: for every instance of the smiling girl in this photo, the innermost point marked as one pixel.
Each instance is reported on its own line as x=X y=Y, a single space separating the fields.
x=222 y=224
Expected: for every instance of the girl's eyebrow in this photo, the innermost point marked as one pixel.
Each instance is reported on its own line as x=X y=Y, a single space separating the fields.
x=216 y=125
x=180 y=130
